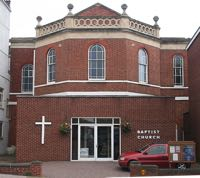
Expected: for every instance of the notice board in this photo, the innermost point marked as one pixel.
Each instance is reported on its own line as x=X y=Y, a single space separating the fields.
x=182 y=151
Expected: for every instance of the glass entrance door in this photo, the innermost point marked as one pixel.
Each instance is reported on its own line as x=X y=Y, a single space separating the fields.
x=87 y=143
x=104 y=142
x=95 y=142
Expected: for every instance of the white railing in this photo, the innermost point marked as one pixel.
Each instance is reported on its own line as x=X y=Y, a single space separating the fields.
x=50 y=28
x=143 y=28
x=81 y=22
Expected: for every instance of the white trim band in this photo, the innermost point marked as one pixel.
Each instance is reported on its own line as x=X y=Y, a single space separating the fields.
x=98 y=93
x=182 y=98
x=12 y=103
x=108 y=81
x=25 y=93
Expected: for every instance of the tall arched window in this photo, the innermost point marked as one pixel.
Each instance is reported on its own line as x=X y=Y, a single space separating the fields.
x=143 y=66
x=27 y=78
x=51 y=65
x=178 y=70
x=96 y=63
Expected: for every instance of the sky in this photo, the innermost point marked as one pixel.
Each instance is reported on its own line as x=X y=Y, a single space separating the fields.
x=177 y=18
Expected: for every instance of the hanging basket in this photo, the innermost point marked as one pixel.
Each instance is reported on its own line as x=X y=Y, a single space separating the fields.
x=65 y=128
x=126 y=127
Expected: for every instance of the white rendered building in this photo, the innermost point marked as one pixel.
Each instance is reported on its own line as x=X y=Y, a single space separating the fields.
x=4 y=72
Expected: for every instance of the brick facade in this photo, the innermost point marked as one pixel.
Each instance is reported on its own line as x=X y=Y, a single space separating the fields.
x=162 y=108
x=141 y=113
x=194 y=79
x=20 y=57
x=33 y=168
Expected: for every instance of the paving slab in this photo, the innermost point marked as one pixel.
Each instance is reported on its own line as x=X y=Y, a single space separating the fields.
x=80 y=169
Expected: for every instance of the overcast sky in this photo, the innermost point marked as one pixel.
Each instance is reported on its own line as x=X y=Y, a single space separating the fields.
x=178 y=18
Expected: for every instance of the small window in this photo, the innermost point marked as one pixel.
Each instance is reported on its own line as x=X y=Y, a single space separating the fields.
x=51 y=65
x=178 y=70
x=96 y=63
x=1 y=97
x=143 y=66
x=27 y=78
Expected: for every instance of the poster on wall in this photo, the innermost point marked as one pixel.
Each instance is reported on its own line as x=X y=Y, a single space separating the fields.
x=188 y=153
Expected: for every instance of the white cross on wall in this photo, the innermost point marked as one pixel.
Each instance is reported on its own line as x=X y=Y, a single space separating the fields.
x=43 y=124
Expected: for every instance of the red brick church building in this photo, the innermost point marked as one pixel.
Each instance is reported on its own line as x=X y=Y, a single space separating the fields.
x=112 y=79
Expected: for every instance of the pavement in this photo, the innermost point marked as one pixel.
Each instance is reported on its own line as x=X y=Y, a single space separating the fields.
x=82 y=169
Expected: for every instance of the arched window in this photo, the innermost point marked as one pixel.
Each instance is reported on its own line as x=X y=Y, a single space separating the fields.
x=96 y=63
x=143 y=65
x=178 y=70
x=27 y=78
x=51 y=65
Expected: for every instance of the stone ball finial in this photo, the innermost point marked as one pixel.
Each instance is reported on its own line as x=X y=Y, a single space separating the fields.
x=39 y=19
x=156 y=18
x=124 y=7
x=70 y=7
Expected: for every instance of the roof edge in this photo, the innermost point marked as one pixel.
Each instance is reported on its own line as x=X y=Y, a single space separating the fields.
x=22 y=40
x=166 y=40
x=193 y=38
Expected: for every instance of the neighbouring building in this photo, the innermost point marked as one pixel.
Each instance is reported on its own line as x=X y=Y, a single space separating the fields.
x=193 y=49
x=110 y=78
x=4 y=73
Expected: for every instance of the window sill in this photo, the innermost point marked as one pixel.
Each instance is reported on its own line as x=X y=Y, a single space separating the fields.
x=51 y=83
x=143 y=83
x=96 y=81
x=28 y=93
x=178 y=86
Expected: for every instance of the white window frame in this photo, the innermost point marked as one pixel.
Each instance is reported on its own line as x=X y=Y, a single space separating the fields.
x=144 y=65
x=22 y=76
x=53 y=81
x=95 y=124
x=174 y=69
x=104 y=63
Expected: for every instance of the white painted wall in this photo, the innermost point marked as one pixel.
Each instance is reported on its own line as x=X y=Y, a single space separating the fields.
x=4 y=70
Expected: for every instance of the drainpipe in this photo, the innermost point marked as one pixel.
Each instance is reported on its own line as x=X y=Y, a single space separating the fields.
x=176 y=132
x=34 y=72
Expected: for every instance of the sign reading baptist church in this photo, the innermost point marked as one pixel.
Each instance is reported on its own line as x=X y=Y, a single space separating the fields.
x=148 y=134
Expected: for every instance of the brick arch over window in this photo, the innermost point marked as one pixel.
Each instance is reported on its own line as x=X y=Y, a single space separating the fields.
x=27 y=78
x=51 y=65
x=96 y=62
x=178 y=70
x=143 y=65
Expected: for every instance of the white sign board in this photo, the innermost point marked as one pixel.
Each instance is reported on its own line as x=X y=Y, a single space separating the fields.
x=84 y=152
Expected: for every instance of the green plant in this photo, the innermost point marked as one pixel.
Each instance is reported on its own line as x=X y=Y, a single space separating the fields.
x=64 y=128
x=27 y=174
x=126 y=127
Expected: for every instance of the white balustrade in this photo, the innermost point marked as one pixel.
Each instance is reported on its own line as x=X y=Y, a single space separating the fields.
x=78 y=23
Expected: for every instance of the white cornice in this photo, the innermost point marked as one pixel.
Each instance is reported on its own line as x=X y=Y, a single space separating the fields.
x=22 y=45
x=96 y=35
